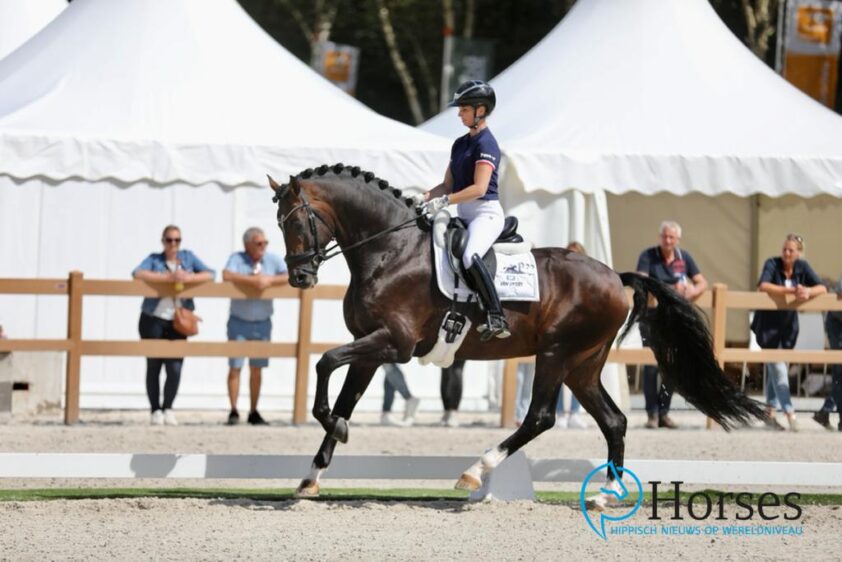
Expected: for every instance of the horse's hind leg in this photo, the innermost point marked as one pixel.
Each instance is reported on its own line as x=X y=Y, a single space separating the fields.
x=550 y=369
x=356 y=382
x=611 y=421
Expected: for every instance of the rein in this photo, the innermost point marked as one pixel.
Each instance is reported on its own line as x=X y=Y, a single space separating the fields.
x=318 y=255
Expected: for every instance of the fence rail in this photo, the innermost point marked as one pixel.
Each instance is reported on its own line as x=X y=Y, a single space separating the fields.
x=719 y=301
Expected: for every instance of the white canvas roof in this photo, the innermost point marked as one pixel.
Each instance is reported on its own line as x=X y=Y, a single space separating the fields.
x=655 y=95
x=190 y=91
x=21 y=19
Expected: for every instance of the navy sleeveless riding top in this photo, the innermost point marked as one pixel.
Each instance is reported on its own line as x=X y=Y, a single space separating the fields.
x=467 y=151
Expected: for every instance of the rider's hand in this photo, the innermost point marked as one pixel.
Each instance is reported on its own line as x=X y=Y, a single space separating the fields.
x=419 y=199
x=433 y=206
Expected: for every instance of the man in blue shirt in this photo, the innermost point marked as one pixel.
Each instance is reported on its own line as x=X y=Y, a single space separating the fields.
x=676 y=267
x=251 y=319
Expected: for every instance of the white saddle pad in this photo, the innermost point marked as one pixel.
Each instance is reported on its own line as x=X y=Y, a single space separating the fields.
x=516 y=278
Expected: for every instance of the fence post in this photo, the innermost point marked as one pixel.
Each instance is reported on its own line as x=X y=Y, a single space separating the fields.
x=720 y=310
x=507 y=406
x=74 y=356
x=302 y=356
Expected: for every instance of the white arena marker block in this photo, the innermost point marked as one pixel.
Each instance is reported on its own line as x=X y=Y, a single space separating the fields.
x=510 y=481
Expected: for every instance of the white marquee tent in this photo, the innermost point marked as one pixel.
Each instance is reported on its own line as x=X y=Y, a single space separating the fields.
x=652 y=96
x=655 y=96
x=121 y=117
x=21 y=19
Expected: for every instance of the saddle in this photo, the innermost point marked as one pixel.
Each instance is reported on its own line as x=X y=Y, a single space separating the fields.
x=456 y=240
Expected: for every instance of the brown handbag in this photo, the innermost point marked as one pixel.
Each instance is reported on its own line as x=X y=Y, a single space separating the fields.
x=185 y=322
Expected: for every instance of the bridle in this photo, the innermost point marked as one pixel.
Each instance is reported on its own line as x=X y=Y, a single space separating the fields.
x=317 y=255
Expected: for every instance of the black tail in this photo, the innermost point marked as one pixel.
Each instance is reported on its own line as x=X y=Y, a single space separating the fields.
x=683 y=346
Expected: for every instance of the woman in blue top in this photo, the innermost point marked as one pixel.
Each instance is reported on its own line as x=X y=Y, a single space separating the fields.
x=774 y=329
x=156 y=318
x=470 y=181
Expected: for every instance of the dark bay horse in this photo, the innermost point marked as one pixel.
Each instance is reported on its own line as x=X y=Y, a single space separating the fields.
x=393 y=308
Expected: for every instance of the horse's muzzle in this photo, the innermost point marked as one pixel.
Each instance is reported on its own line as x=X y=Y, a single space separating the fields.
x=303 y=280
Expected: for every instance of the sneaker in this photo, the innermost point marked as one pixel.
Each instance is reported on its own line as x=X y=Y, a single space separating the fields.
x=773 y=424
x=822 y=418
x=169 y=418
x=793 y=423
x=157 y=417
x=256 y=419
x=450 y=419
x=410 y=410
x=233 y=418
x=652 y=422
x=388 y=419
x=575 y=421
x=666 y=421
x=561 y=422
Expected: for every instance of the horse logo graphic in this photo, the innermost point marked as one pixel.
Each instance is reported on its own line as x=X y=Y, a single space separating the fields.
x=513 y=268
x=621 y=494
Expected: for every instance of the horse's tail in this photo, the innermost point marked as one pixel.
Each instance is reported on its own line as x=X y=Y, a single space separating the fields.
x=683 y=346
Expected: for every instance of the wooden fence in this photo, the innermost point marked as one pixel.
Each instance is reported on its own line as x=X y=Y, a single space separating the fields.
x=719 y=301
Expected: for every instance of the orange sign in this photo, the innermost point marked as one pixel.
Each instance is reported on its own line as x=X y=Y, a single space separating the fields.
x=811 y=47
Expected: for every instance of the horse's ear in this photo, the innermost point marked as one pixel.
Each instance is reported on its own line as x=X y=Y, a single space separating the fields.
x=293 y=183
x=273 y=184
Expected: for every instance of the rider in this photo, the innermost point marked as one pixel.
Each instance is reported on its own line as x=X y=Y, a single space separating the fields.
x=470 y=181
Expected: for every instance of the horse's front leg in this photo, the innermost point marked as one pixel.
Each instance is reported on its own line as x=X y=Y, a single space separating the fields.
x=375 y=349
x=358 y=379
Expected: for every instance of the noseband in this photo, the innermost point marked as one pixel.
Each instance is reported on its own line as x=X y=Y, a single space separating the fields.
x=317 y=255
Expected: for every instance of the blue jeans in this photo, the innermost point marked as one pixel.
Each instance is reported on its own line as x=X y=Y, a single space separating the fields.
x=777 y=387
x=574 y=404
x=393 y=382
x=833 y=327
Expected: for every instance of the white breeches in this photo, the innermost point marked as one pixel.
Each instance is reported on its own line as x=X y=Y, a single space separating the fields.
x=485 y=223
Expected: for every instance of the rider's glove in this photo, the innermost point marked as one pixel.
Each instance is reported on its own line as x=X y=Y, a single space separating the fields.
x=433 y=206
x=419 y=199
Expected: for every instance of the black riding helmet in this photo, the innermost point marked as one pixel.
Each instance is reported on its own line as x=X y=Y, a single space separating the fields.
x=475 y=93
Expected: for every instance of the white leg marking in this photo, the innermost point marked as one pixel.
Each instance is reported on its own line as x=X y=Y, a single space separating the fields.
x=315 y=474
x=486 y=463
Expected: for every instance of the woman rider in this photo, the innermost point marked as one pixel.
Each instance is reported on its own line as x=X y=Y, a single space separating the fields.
x=470 y=181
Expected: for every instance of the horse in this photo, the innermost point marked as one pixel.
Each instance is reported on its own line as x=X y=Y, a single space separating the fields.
x=393 y=309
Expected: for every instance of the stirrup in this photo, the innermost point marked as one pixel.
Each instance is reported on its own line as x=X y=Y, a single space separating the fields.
x=495 y=327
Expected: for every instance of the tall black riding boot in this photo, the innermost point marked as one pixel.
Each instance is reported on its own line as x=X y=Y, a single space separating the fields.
x=496 y=325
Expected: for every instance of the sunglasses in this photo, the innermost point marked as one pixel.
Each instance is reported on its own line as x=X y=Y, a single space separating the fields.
x=169 y=240
x=261 y=244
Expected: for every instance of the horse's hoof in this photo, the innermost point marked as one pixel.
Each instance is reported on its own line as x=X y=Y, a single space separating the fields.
x=307 y=489
x=340 y=431
x=468 y=483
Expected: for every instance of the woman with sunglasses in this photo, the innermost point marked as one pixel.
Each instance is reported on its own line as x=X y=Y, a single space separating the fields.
x=176 y=266
x=778 y=329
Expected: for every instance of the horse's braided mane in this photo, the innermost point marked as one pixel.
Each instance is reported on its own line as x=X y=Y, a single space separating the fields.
x=354 y=171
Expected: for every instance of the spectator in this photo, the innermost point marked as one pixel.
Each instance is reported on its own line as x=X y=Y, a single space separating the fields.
x=251 y=319
x=395 y=381
x=525 y=378
x=775 y=329
x=833 y=327
x=573 y=420
x=176 y=266
x=451 y=392
x=677 y=268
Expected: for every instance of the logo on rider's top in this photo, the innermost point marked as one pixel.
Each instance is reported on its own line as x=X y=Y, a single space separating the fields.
x=619 y=494
x=486 y=155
